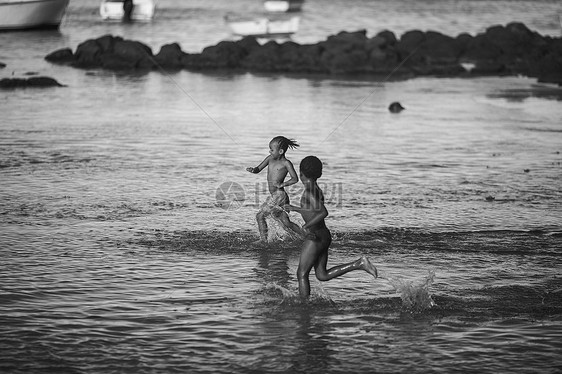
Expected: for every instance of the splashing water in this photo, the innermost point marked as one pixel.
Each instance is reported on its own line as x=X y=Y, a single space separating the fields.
x=292 y=297
x=277 y=232
x=287 y=294
x=415 y=297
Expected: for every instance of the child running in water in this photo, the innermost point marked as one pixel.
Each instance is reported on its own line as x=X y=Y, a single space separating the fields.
x=317 y=236
x=278 y=166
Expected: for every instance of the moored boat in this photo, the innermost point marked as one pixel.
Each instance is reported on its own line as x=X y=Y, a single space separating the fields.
x=263 y=26
x=31 y=14
x=283 y=5
x=140 y=10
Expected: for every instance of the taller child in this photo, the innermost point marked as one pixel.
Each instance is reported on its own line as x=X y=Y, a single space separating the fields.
x=318 y=238
x=278 y=166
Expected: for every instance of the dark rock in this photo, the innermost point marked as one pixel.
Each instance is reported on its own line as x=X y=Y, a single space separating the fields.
x=61 y=56
x=108 y=52
x=409 y=42
x=112 y=61
x=354 y=61
x=249 y=43
x=226 y=54
x=127 y=55
x=88 y=54
x=431 y=49
x=545 y=62
x=511 y=49
x=376 y=42
x=107 y=42
x=480 y=48
x=305 y=59
x=265 y=58
x=2 y=65
x=389 y=37
x=346 y=41
x=345 y=53
x=500 y=50
x=40 y=82
x=395 y=107
x=289 y=53
x=441 y=49
x=170 y=56
x=513 y=40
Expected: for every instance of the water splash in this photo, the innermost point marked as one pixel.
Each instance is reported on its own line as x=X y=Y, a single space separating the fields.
x=287 y=294
x=415 y=296
x=291 y=298
x=278 y=233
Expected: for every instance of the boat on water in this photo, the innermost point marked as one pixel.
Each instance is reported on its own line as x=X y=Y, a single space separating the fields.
x=135 y=10
x=31 y=14
x=283 y=5
x=263 y=26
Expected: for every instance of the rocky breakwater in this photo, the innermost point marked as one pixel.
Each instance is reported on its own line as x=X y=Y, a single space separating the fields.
x=500 y=50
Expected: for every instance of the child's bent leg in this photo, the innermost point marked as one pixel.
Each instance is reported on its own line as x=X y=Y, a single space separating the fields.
x=362 y=263
x=310 y=253
x=262 y=225
x=284 y=218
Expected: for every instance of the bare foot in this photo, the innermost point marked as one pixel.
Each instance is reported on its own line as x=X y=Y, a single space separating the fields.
x=366 y=265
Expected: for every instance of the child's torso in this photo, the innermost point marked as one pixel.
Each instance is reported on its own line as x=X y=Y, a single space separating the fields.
x=309 y=211
x=276 y=173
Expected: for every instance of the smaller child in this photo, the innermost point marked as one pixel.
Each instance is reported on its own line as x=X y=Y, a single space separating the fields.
x=317 y=236
x=278 y=166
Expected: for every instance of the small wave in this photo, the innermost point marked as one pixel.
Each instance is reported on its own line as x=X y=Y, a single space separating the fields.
x=542 y=130
x=502 y=242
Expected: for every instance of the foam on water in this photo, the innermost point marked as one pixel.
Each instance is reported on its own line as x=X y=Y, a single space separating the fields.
x=415 y=296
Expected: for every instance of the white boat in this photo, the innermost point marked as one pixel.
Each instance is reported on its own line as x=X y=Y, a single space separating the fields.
x=143 y=10
x=283 y=5
x=31 y=14
x=263 y=26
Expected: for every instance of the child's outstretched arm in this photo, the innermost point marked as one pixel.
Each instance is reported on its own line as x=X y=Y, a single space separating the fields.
x=260 y=167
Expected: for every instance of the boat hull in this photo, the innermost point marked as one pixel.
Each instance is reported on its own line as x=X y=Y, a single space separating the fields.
x=31 y=14
x=113 y=10
x=283 y=6
x=264 y=26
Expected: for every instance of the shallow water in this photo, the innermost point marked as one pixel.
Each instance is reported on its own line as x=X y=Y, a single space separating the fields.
x=210 y=303
x=127 y=216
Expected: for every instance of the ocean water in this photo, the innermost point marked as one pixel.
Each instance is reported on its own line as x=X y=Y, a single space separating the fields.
x=127 y=216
